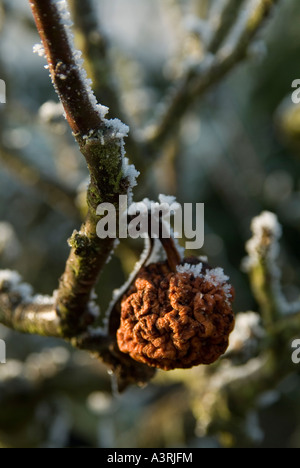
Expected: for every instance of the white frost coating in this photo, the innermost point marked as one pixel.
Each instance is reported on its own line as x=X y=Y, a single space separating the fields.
x=121 y=130
x=228 y=374
x=156 y=207
x=265 y=228
x=9 y=277
x=12 y=281
x=94 y=309
x=168 y=199
x=130 y=172
x=39 y=49
x=269 y=221
x=65 y=19
x=195 y=270
x=264 y=246
x=203 y=258
x=247 y=334
x=215 y=276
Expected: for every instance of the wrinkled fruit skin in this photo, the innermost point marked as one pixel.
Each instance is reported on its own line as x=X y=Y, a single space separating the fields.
x=173 y=320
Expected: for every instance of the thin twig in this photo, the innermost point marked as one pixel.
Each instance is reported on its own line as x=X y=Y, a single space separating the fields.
x=226 y=19
x=197 y=81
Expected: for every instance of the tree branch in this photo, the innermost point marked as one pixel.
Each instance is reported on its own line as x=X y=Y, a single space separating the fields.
x=22 y=311
x=65 y=73
x=227 y=17
x=200 y=79
x=94 y=45
x=101 y=143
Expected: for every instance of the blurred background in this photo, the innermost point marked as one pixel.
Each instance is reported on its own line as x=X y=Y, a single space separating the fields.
x=237 y=151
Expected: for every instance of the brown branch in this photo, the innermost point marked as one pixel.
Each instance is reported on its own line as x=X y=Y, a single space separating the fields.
x=95 y=48
x=101 y=143
x=103 y=151
x=65 y=73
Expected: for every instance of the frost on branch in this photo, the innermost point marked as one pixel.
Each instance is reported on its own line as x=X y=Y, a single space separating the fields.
x=265 y=241
x=39 y=49
x=247 y=336
x=11 y=283
x=261 y=265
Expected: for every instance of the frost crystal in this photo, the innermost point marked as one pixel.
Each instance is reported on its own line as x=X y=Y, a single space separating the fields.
x=121 y=130
x=216 y=276
x=39 y=49
x=247 y=334
x=266 y=234
x=168 y=199
x=195 y=270
x=130 y=172
x=11 y=282
x=10 y=278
